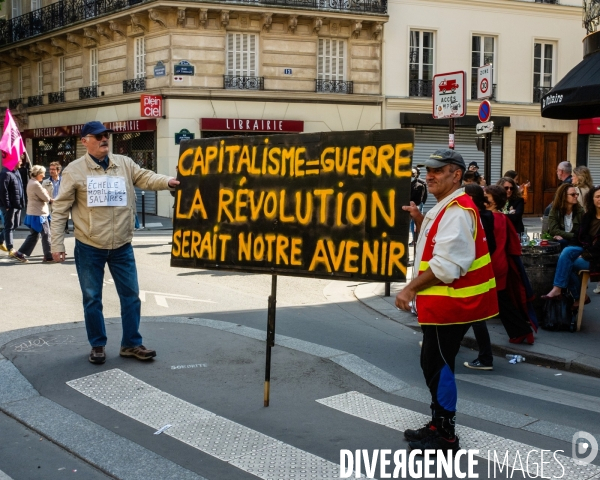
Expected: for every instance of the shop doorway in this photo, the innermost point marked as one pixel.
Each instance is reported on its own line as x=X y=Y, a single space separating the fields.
x=54 y=149
x=537 y=156
x=141 y=148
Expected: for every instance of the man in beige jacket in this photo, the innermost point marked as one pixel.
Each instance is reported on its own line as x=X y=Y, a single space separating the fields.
x=98 y=190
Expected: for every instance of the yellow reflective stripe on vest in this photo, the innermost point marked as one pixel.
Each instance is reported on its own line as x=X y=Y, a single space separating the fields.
x=445 y=291
x=477 y=263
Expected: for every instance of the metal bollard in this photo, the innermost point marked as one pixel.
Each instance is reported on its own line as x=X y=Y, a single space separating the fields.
x=387 y=289
x=143 y=209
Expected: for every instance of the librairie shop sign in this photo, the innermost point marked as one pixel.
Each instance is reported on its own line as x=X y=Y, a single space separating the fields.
x=251 y=125
x=325 y=205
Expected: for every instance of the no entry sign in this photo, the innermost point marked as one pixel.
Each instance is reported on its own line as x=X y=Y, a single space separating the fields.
x=485 y=111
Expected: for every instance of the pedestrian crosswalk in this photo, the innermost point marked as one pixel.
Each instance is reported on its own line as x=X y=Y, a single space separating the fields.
x=515 y=453
x=244 y=448
x=268 y=458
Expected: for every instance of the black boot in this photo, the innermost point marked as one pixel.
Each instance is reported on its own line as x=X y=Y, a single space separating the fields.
x=419 y=434
x=443 y=438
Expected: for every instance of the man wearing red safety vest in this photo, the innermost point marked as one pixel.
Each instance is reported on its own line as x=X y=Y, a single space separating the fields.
x=454 y=286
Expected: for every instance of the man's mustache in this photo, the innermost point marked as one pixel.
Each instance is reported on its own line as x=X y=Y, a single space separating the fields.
x=104 y=144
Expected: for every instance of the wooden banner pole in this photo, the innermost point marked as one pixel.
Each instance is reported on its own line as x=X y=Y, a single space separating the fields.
x=270 y=336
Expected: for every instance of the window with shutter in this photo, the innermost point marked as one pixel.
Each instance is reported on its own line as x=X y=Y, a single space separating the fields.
x=61 y=74
x=93 y=67
x=40 y=73
x=331 y=59
x=140 y=57
x=242 y=54
x=16 y=8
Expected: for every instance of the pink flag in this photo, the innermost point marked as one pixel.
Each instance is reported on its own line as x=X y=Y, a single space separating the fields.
x=11 y=142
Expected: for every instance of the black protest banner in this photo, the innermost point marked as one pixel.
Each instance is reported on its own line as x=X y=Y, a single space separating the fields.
x=325 y=205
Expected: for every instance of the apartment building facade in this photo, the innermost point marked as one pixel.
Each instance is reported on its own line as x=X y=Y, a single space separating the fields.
x=531 y=46
x=219 y=68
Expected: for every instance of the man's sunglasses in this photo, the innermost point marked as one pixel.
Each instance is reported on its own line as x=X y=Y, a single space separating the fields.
x=508 y=188
x=100 y=136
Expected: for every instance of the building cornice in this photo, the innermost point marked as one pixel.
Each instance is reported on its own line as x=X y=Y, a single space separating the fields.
x=538 y=9
x=211 y=94
x=124 y=16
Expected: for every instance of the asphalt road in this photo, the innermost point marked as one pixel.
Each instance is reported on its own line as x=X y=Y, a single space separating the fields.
x=222 y=372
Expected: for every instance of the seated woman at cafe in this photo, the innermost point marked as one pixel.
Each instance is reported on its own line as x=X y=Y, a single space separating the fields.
x=585 y=255
x=565 y=216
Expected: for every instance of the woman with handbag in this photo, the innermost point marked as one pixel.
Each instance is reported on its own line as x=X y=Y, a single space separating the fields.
x=565 y=215
x=585 y=255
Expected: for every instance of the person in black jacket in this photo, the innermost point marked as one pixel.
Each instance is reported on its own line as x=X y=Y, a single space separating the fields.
x=418 y=195
x=515 y=206
x=485 y=359
x=12 y=201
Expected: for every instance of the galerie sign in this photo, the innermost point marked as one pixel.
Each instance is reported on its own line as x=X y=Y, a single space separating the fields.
x=106 y=191
x=324 y=205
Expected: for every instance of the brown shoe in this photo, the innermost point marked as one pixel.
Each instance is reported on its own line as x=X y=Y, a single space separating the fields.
x=97 y=355
x=140 y=352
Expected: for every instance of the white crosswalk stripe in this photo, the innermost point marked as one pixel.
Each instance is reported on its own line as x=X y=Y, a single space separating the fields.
x=242 y=447
x=398 y=418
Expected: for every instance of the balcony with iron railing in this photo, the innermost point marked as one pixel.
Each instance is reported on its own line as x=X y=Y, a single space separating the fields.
x=419 y=88
x=35 y=101
x=134 y=85
x=88 y=92
x=539 y=92
x=65 y=13
x=334 y=86
x=233 y=82
x=474 y=91
x=56 y=97
x=13 y=103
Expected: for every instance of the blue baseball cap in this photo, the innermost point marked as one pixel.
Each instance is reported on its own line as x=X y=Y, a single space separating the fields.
x=94 y=128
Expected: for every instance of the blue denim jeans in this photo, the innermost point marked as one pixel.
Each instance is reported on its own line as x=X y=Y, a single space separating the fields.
x=11 y=221
x=569 y=263
x=90 y=262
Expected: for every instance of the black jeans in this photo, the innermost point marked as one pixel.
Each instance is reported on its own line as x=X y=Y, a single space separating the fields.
x=11 y=221
x=440 y=347
x=515 y=322
x=32 y=239
x=483 y=342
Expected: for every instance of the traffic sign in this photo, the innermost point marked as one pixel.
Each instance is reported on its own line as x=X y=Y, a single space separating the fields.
x=485 y=85
x=485 y=111
x=449 y=95
x=487 y=127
